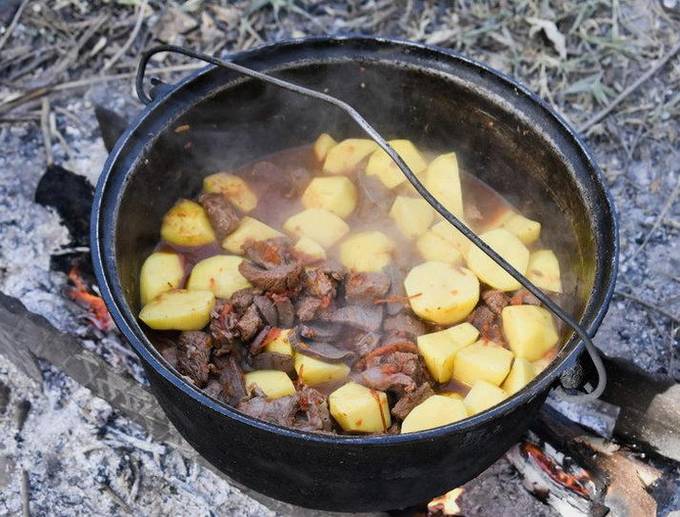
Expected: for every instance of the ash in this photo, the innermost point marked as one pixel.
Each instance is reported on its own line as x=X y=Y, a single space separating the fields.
x=79 y=456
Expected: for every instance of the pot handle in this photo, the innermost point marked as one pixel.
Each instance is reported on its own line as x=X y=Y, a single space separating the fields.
x=581 y=374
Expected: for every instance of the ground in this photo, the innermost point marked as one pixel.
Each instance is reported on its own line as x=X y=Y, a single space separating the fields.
x=63 y=57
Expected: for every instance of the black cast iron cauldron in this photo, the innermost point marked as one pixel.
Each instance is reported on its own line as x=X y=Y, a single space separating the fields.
x=504 y=134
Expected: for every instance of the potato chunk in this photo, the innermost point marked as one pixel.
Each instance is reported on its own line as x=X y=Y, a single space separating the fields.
x=318 y=224
x=187 y=224
x=436 y=411
x=525 y=229
x=344 y=157
x=160 y=272
x=281 y=343
x=432 y=247
x=322 y=145
x=521 y=374
x=274 y=383
x=366 y=251
x=439 y=349
x=360 y=409
x=483 y=396
x=381 y=165
x=234 y=188
x=310 y=249
x=441 y=293
x=179 y=309
x=544 y=270
x=249 y=229
x=449 y=233
x=482 y=360
x=442 y=179
x=313 y=371
x=507 y=246
x=218 y=274
x=413 y=216
x=336 y=194
x=530 y=330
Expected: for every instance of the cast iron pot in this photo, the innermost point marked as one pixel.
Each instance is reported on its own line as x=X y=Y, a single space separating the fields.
x=503 y=133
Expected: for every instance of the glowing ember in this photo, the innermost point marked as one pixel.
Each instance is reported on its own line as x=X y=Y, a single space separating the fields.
x=98 y=314
x=555 y=471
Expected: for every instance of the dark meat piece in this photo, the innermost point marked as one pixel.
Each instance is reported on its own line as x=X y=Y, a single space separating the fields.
x=396 y=367
x=307 y=307
x=233 y=384
x=223 y=321
x=273 y=361
x=214 y=389
x=250 y=323
x=169 y=353
x=366 y=343
x=266 y=335
x=407 y=363
x=396 y=292
x=276 y=279
x=375 y=198
x=298 y=179
x=242 y=299
x=314 y=408
x=267 y=310
x=320 y=331
x=363 y=288
x=318 y=283
x=222 y=215
x=410 y=400
x=385 y=378
x=488 y=324
x=404 y=325
x=268 y=253
x=279 y=411
x=319 y=350
x=367 y=317
x=495 y=300
x=285 y=311
x=524 y=297
x=193 y=355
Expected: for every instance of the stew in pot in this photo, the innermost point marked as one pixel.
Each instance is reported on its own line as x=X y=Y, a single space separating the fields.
x=316 y=290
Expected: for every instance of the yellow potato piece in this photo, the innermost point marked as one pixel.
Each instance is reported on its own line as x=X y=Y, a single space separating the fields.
x=438 y=349
x=525 y=229
x=482 y=360
x=432 y=247
x=413 y=216
x=521 y=374
x=507 y=246
x=366 y=251
x=280 y=344
x=452 y=395
x=234 y=188
x=442 y=179
x=381 y=165
x=186 y=224
x=441 y=293
x=218 y=274
x=360 y=409
x=249 y=229
x=310 y=249
x=179 y=309
x=530 y=330
x=544 y=270
x=344 y=157
x=449 y=233
x=436 y=411
x=161 y=271
x=482 y=396
x=318 y=224
x=336 y=194
x=313 y=371
x=274 y=383
x=322 y=145
x=497 y=219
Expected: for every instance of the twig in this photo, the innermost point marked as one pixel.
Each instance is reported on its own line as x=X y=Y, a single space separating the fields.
x=656 y=308
x=25 y=494
x=625 y=93
x=659 y=219
x=130 y=40
x=14 y=23
x=72 y=55
x=45 y=126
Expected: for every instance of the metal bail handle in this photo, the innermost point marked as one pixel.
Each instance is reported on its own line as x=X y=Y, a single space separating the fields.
x=420 y=188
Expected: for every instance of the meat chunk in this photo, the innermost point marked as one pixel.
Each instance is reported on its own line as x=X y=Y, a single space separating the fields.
x=222 y=215
x=242 y=299
x=488 y=323
x=279 y=411
x=307 y=308
x=273 y=361
x=313 y=411
x=285 y=311
x=318 y=283
x=223 y=322
x=384 y=378
x=495 y=300
x=269 y=252
x=232 y=381
x=298 y=179
x=250 y=323
x=276 y=279
x=524 y=297
x=321 y=331
x=404 y=325
x=366 y=343
x=410 y=400
x=396 y=291
x=366 y=288
x=267 y=310
x=193 y=355
x=363 y=317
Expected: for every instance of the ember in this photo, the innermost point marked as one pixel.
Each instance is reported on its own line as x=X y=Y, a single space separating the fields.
x=98 y=313
x=555 y=471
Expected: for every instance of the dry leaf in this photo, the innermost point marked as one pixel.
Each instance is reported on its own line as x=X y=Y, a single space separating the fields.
x=552 y=33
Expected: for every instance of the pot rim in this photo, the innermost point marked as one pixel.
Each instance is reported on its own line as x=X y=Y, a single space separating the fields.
x=106 y=274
